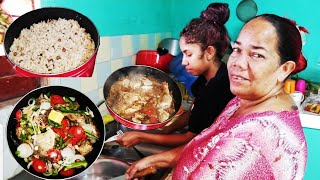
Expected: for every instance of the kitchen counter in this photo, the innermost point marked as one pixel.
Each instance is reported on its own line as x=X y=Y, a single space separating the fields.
x=310 y=121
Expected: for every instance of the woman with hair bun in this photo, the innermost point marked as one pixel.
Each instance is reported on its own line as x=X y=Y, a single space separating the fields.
x=203 y=43
x=259 y=134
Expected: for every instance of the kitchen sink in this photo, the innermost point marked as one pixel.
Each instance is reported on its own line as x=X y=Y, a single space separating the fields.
x=115 y=150
x=129 y=155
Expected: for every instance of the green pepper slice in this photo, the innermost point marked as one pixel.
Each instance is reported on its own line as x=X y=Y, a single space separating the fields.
x=54 y=124
x=90 y=135
x=65 y=110
x=78 y=164
x=68 y=100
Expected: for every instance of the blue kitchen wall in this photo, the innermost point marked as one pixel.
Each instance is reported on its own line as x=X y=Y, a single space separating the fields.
x=312 y=137
x=306 y=13
x=122 y=17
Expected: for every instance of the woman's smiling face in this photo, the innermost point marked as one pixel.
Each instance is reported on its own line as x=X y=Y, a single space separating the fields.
x=254 y=65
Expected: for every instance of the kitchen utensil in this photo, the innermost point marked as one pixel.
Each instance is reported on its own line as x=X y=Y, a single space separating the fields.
x=171 y=44
x=105 y=167
x=162 y=51
x=43 y=14
x=122 y=177
x=157 y=59
x=297 y=97
x=114 y=137
x=148 y=71
x=111 y=139
x=13 y=141
x=246 y=10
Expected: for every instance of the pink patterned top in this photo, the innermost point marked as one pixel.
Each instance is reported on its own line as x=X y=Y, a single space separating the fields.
x=266 y=145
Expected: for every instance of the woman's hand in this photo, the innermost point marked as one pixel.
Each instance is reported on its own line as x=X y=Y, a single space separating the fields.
x=140 y=165
x=130 y=138
x=161 y=160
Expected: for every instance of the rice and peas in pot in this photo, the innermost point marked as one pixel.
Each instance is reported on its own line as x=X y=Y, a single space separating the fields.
x=52 y=47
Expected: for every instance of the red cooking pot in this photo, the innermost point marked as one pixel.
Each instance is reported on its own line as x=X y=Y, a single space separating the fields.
x=151 y=72
x=83 y=100
x=43 y=14
x=154 y=58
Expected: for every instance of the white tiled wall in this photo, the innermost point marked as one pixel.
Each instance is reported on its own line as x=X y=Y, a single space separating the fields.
x=114 y=52
x=104 y=50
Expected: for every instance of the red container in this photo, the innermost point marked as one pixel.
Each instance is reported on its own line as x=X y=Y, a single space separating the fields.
x=84 y=70
x=153 y=59
x=43 y=14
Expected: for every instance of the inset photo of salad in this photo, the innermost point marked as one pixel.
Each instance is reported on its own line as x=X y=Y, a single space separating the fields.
x=55 y=134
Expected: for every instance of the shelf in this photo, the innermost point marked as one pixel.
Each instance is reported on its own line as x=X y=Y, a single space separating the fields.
x=310 y=121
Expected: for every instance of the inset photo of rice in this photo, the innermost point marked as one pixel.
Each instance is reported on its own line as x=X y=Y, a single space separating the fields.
x=52 y=42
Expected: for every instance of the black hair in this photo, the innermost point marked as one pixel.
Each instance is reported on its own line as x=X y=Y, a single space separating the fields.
x=289 y=40
x=209 y=29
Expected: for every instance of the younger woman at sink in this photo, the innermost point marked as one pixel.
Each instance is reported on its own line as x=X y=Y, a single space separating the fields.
x=259 y=133
x=204 y=42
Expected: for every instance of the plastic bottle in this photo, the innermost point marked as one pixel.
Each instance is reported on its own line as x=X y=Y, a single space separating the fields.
x=289 y=86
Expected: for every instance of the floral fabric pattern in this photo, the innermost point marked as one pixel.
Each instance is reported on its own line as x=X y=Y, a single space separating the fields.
x=267 y=145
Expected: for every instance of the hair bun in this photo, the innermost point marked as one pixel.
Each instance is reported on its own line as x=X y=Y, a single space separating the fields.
x=217 y=12
x=301 y=64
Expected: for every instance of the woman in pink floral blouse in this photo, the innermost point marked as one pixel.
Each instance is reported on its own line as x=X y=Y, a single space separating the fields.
x=259 y=133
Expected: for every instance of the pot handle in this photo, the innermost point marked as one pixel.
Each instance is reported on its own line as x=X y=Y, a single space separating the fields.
x=100 y=103
x=162 y=51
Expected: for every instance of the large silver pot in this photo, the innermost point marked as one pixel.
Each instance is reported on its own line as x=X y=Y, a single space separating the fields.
x=171 y=44
x=105 y=168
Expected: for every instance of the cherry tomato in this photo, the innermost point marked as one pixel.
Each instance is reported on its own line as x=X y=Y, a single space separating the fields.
x=67 y=172
x=73 y=141
x=84 y=136
x=60 y=132
x=18 y=124
x=54 y=155
x=65 y=124
x=76 y=131
x=56 y=99
x=19 y=115
x=39 y=165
